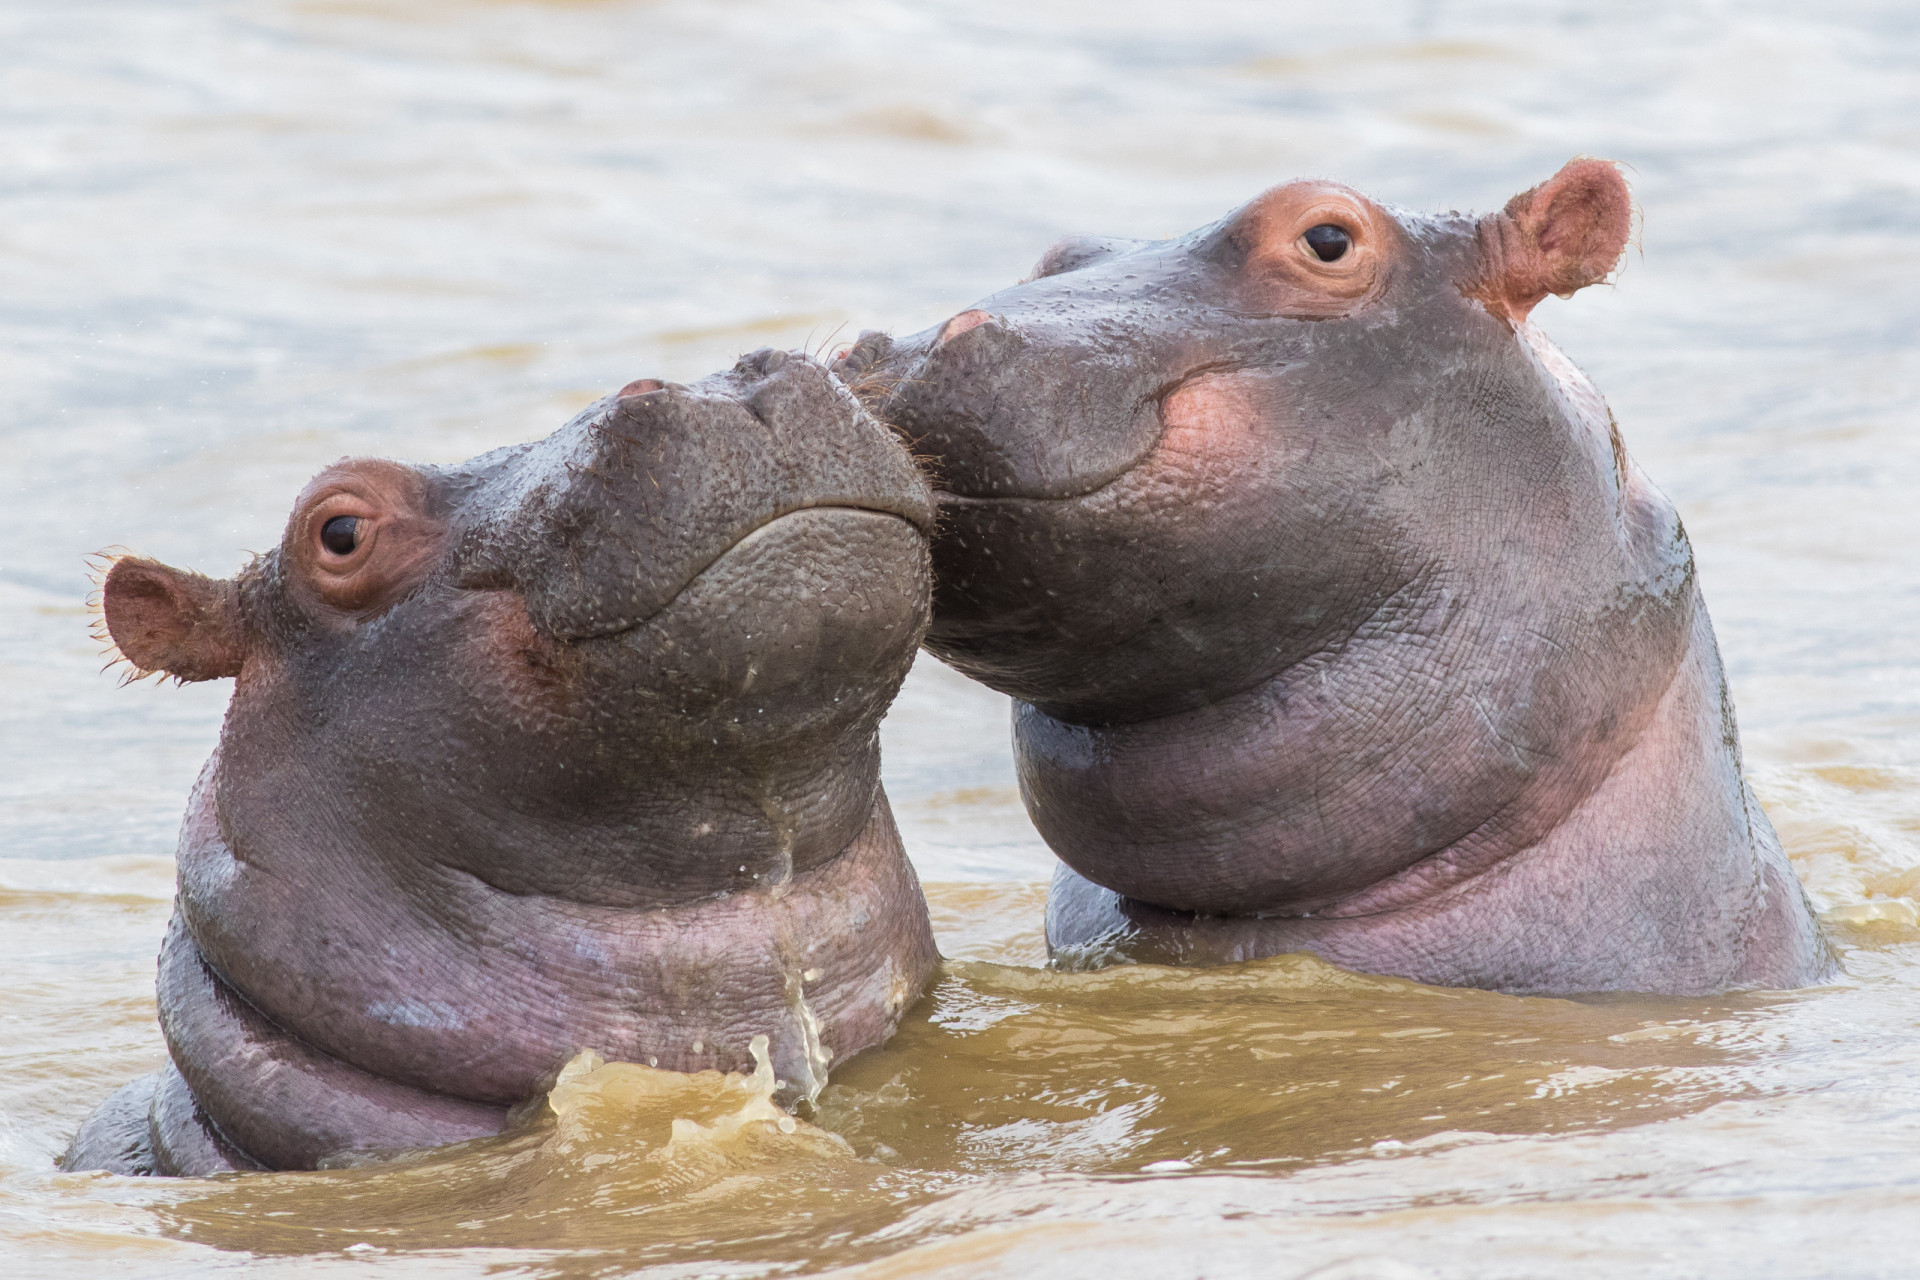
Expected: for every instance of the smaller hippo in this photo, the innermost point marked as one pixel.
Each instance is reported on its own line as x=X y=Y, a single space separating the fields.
x=1336 y=615
x=571 y=746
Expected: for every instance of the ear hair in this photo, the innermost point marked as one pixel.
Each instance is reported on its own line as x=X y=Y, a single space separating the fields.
x=1558 y=237
x=163 y=619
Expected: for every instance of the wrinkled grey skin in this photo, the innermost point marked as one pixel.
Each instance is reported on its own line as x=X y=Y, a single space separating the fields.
x=1341 y=626
x=604 y=775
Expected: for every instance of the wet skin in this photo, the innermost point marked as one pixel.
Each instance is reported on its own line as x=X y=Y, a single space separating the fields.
x=572 y=746
x=1337 y=616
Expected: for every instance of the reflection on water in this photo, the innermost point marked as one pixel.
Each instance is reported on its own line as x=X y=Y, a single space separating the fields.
x=240 y=240
x=1265 y=1065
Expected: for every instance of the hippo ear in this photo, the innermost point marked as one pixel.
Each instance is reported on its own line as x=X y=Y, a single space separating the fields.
x=1563 y=235
x=166 y=619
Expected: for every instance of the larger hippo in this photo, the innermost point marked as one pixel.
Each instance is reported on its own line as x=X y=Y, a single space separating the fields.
x=1337 y=616
x=572 y=746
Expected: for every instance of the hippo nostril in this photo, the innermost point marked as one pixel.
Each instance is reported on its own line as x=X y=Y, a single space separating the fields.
x=762 y=363
x=867 y=350
x=641 y=387
x=960 y=324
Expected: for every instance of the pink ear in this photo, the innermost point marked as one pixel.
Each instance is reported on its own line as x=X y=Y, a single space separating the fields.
x=1563 y=235
x=166 y=619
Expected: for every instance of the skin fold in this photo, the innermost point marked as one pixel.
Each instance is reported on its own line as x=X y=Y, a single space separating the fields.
x=1336 y=614
x=571 y=746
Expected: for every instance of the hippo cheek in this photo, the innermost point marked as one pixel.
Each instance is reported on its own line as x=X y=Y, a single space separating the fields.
x=524 y=677
x=1217 y=429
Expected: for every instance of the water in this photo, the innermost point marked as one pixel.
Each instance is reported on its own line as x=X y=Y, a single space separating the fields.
x=240 y=240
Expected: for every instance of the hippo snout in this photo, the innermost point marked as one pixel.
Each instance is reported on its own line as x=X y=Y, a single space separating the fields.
x=608 y=520
x=960 y=393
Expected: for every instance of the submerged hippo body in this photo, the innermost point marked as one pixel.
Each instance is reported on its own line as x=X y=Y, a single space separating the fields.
x=1336 y=615
x=573 y=746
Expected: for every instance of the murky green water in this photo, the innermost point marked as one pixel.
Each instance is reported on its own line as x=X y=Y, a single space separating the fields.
x=240 y=240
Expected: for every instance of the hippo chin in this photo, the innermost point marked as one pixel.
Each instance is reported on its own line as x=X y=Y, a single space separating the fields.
x=572 y=746
x=1337 y=616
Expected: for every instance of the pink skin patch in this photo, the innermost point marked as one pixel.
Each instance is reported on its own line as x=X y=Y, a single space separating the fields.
x=641 y=387
x=1210 y=420
x=1213 y=429
x=960 y=324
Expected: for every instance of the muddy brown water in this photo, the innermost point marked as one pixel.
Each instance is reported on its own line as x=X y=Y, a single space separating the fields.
x=240 y=240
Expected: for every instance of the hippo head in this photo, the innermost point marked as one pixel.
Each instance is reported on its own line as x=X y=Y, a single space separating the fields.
x=1170 y=469
x=638 y=663
x=1316 y=571
x=555 y=749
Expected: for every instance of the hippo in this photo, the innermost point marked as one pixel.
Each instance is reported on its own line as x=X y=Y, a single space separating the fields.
x=571 y=746
x=1336 y=616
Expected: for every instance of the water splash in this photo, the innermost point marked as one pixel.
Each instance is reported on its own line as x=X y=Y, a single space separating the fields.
x=723 y=1109
x=621 y=1156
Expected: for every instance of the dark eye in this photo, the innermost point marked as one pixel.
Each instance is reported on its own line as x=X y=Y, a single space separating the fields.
x=341 y=535
x=1327 y=241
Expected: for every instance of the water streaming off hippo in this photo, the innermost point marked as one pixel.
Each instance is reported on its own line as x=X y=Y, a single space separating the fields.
x=240 y=241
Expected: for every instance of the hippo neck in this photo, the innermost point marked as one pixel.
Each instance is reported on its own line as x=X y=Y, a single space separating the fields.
x=437 y=980
x=1449 y=748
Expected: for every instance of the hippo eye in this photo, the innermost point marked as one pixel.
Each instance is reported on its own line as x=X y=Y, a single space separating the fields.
x=341 y=535
x=1327 y=241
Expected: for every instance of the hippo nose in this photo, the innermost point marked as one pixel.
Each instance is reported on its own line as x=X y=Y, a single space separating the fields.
x=640 y=387
x=868 y=350
x=966 y=320
x=763 y=363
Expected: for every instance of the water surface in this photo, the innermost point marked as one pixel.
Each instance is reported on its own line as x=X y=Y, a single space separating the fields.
x=240 y=240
